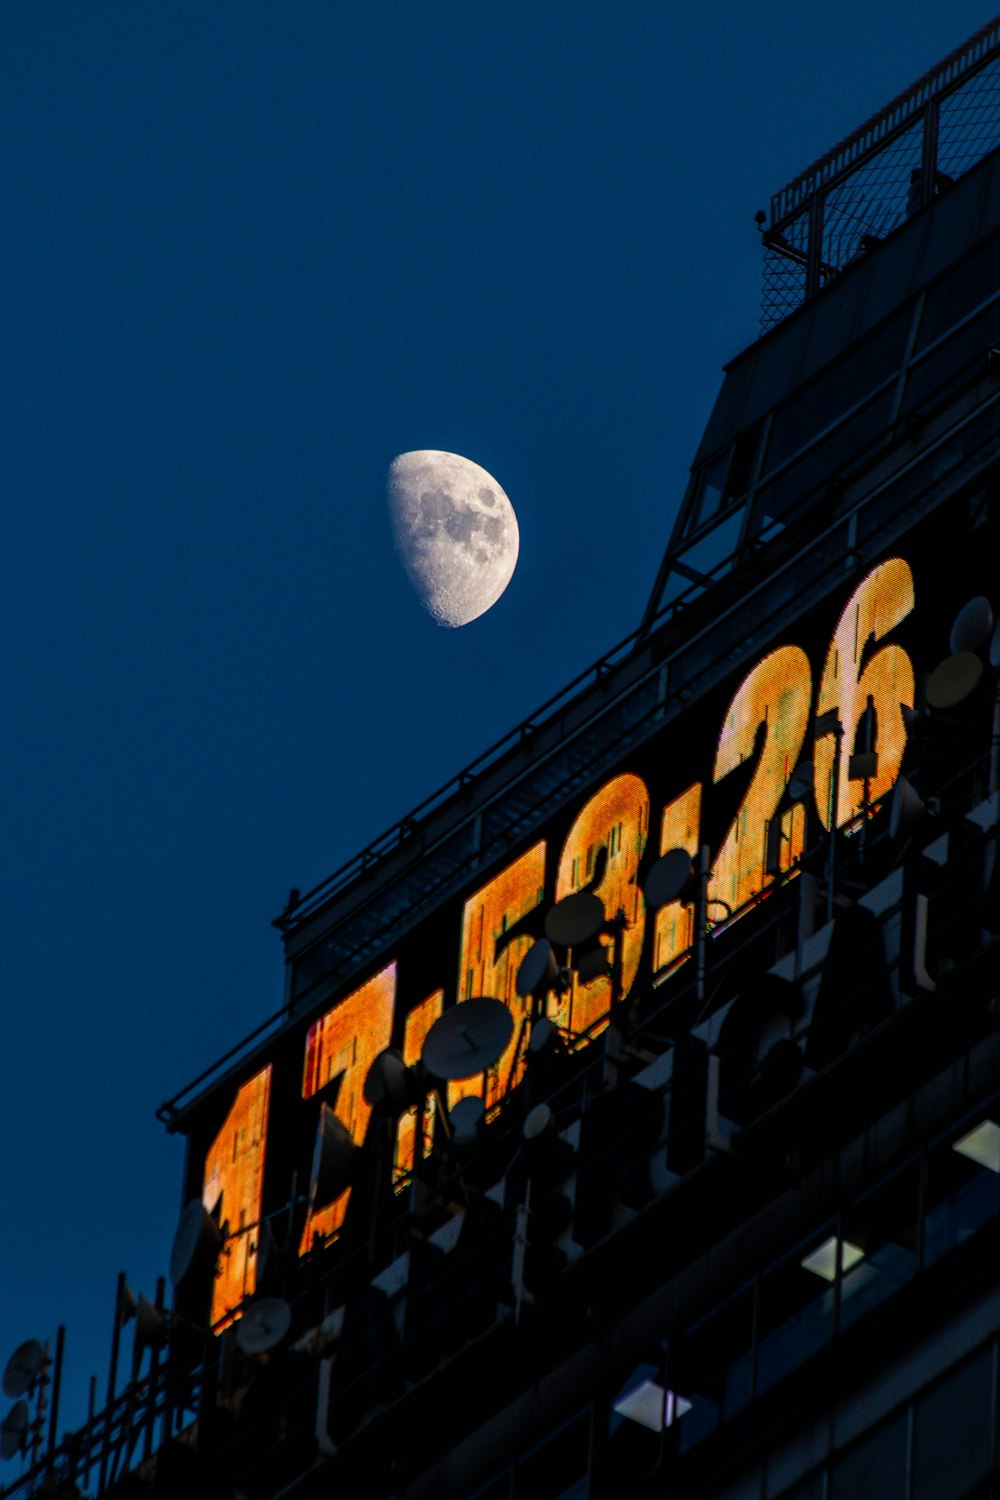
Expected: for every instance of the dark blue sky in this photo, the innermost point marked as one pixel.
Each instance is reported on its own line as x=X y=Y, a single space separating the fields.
x=248 y=254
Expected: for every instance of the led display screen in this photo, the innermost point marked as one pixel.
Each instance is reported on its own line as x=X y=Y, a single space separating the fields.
x=830 y=690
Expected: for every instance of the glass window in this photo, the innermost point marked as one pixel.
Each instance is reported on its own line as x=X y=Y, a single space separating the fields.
x=971 y=283
x=797 y=487
x=796 y=1312
x=875 y=1469
x=883 y=1224
x=840 y=388
x=558 y=1465
x=710 y=1366
x=952 y=1433
x=955 y=356
x=960 y=1197
x=716 y=548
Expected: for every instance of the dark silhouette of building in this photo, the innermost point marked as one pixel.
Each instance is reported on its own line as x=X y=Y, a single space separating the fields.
x=718 y=1212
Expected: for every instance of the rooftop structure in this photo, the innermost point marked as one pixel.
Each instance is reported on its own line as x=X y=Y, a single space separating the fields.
x=631 y=1124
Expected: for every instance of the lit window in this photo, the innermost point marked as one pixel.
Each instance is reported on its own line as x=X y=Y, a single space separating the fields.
x=823 y=1260
x=982 y=1145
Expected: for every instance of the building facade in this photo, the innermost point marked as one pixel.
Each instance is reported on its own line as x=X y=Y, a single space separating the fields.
x=717 y=1212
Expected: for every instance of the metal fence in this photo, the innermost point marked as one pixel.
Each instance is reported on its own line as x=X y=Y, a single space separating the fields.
x=886 y=172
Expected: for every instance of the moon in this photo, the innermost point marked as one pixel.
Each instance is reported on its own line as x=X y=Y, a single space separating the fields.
x=455 y=531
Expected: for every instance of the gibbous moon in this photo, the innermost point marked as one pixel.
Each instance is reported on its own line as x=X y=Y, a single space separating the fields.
x=455 y=530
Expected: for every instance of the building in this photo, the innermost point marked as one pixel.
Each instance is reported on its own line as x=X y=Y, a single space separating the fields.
x=718 y=1212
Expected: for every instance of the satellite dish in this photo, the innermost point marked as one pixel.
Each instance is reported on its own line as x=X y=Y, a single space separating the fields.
x=467 y=1039
x=466 y=1120
x=333 y=1158
x=14 y=1430
x=264 y=1326
x=537 y=1122
x=575 y=919
x=387 y=1082
x=669 y=878
x=954 y=680
x=197 y=1241
x=539 y=970
x=994 y=652
x=907 y=807
x=973 y=625
x=23 y=1368
x=148 y=1323
x=543 y=1033
x=129 y=1305
x=802 y=781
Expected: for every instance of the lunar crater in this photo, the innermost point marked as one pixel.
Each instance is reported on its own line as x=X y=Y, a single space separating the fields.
x=455 y=531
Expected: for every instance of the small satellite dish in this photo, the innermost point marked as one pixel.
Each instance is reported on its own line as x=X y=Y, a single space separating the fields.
x=148 y=1323
x=995 y=647
x=537 y=1122
x=198 y=1240
x=14 y=1430
x=543 y=1033
x=954 y=680
x=907 y=807
x=467 y=1039
x=973 y=625
x=575 y=919
x=23 y=1368
x=802 y=780
x=669 y=878
x=466 y=1120
x=539 y=970
x=264 y=1326
x=387 y=1082
x=129 y=1305
x=333 y=1158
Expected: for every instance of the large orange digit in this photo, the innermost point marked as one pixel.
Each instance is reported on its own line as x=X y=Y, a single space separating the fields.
x=489 y=962
x=342 y=1045
x=673 y=932
x=615 y=819
x=777 y=695
x=878 y=604
x=234 y=1170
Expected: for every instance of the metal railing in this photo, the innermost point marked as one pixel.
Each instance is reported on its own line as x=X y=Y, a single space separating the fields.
x=882 y=174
